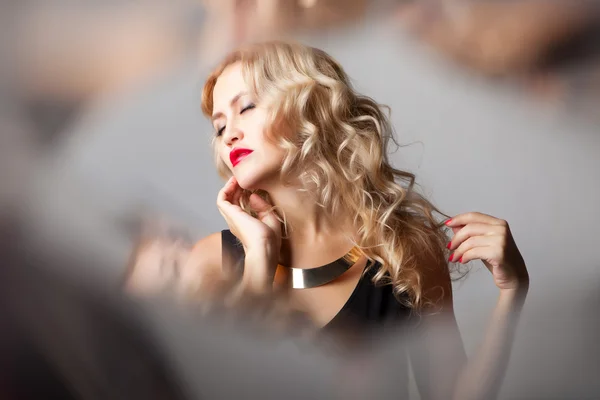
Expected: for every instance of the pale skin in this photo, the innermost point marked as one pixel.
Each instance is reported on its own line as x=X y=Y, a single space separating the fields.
x=314 y=240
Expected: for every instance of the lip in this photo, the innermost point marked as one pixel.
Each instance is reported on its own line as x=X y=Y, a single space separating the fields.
x=238 y=154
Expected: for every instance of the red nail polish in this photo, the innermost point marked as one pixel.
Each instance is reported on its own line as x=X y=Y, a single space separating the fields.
x=460 y=261
x=448 y=222
x=450 y=258
x=449 y=245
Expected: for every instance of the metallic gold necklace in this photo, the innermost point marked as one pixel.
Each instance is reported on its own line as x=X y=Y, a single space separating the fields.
x=306 y=278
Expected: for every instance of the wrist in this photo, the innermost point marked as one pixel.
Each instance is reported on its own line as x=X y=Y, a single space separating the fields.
x=516 y=295
x=263 y=247
x=259 y=269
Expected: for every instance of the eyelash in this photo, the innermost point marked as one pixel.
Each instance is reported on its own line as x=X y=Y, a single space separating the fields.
x=243 y=110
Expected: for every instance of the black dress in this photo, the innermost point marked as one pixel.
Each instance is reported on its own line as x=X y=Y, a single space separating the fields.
x=370 y=311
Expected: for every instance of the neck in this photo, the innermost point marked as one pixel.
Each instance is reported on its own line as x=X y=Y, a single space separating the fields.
x=308 y=224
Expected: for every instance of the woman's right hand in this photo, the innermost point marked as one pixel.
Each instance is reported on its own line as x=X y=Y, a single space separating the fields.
x=260 y=236
x=252 y=232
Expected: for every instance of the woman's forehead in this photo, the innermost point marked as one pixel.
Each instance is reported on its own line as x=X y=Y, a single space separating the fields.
x=229 y=83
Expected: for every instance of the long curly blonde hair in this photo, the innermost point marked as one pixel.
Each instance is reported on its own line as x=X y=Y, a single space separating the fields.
x=339 y=152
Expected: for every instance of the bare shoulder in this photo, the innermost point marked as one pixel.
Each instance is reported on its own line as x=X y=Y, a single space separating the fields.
x=206 y=253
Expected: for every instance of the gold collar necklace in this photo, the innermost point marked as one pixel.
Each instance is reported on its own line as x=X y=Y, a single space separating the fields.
x=306 y=278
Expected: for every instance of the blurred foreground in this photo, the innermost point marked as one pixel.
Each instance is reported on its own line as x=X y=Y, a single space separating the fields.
x=70 y=327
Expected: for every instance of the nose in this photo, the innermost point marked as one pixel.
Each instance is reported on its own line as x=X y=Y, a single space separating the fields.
x=232 y=135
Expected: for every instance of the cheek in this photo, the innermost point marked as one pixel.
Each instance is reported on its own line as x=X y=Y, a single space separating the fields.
x=218 y=149
x=277 y=142
x=255 y=126
x=223 y=169
x=224 y=159
x=274 y=154
x=221 y=157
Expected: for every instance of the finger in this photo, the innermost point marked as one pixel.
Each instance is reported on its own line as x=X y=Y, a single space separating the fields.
x=225 y=213
x=228 y=191
x=226 y=202
x=475 y=229
x=258 y=204
x=237 y=195
x=265 y=212
x=473 y=242
x=228 y=212
x=224 y=193
x=231 y=187
x=484 y=253
x=474 y=217
x=224 y=205
x=231 y=212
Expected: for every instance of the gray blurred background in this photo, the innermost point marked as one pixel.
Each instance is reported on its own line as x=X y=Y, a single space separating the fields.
x=474 y=146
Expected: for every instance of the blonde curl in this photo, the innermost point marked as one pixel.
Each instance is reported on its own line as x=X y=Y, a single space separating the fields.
x=339 y=151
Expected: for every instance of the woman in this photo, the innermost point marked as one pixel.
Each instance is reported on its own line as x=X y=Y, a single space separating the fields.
x=313 y=204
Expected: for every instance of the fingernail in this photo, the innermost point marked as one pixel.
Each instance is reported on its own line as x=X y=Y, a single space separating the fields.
x=450 y=258
x=449 y=245
x=448 y=222
x=460 y=261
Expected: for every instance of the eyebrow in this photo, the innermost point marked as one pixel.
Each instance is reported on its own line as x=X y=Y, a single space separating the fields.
x=231 y=103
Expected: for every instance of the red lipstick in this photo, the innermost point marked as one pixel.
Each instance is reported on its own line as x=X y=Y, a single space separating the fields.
x=238 y=154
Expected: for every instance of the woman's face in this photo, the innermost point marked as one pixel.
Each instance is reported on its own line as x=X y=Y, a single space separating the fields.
x=240 y=126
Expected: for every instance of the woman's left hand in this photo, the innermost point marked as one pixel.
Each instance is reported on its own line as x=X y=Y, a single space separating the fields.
x=483 y=237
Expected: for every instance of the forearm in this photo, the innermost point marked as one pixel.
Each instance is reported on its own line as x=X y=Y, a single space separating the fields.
x=259 y=269
x=482 y=376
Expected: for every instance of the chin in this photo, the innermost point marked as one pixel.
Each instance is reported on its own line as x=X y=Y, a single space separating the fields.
x=257 y=181
x=248 y=182
x=257 y=176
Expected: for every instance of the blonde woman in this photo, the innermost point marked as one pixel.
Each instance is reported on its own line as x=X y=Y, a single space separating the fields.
x=314 y=205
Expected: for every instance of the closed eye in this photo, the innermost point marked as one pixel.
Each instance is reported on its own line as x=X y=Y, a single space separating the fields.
x=243 y=110
x=248 y=107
